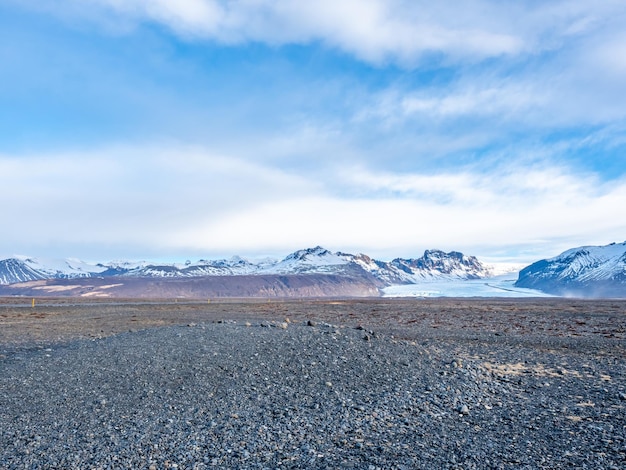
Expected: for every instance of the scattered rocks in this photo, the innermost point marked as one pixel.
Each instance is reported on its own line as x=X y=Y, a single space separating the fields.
x=270 y=396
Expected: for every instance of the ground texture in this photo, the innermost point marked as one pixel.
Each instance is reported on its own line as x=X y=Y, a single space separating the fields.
x=439 y=383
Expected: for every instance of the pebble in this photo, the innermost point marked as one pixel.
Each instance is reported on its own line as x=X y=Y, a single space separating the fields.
x=242 y=396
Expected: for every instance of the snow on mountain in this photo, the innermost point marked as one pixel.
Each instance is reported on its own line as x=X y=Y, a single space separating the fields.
x=67 y=268
x=434 y=265
x=316 y=260
x=587 y=271
x=234 y=266
x=13 y=270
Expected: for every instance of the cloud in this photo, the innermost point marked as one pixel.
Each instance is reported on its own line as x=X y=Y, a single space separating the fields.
x=191 y=16
x=129 y=198
x=377 y=31
x=406 y=33
x=405 y=226
x=187 y=201
x=470 y=125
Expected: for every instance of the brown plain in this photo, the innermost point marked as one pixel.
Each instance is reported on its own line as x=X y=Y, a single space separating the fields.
x=64 y=319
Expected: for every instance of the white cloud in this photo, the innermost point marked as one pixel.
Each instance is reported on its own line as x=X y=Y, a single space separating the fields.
x=504 y=100
x=181 y=15
x=405 y=226
x=129 y=197
x=187 y=201
x=504 y=207
x=520 y=76
x=377 y=31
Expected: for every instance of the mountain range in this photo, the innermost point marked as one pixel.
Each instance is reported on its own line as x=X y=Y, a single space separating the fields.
x=315 y=272
x=588 y=271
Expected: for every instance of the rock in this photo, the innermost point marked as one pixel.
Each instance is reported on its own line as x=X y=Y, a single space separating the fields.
x=311 y=323
x=464 y=410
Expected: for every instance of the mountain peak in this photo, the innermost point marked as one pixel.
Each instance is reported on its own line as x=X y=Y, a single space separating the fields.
x=309 y=252
x=586 y=271
x=435 y=264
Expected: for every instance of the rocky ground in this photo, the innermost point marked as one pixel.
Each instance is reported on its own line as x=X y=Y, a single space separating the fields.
x=440 y=383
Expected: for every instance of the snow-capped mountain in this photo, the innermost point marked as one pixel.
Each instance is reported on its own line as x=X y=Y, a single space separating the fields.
x=13 y=270
x=587 y=271
x=21 y=269
x=434 y=265
x=233 y=267
x=311 y=260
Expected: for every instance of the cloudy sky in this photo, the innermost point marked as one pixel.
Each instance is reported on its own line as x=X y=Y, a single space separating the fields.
x=207 y=128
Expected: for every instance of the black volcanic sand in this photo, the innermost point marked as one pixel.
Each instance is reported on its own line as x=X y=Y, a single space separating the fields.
x=445 y=383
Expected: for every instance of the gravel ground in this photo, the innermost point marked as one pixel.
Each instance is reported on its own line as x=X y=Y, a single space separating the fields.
x=273 y=394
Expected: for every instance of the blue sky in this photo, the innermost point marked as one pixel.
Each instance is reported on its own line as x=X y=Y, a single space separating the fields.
x=207 y=128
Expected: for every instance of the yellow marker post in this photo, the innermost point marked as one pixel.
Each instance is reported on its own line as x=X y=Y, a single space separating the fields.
x=208 y=301
x=33 y=303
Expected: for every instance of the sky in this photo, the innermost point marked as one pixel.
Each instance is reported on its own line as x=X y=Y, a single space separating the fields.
x=154 y=129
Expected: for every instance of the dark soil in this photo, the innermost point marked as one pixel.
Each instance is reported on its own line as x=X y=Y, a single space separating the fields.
x=441 y=383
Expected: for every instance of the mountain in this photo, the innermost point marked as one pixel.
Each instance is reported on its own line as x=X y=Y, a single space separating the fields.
x=587 y=271
x=243 y=286
x=363 y=271
x=13 y=270
x=436 y=264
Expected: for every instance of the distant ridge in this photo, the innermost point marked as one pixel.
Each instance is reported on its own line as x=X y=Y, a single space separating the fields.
x=586 y=271
x=357 y=275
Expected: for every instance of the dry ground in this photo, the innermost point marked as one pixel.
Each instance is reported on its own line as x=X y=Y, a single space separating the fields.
x=436 y=383
x=61 y=320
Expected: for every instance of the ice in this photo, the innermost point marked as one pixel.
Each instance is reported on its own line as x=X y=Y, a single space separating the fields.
x=500 y=286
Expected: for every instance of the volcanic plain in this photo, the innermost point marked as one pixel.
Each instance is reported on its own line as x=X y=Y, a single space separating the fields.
x=376 y=383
